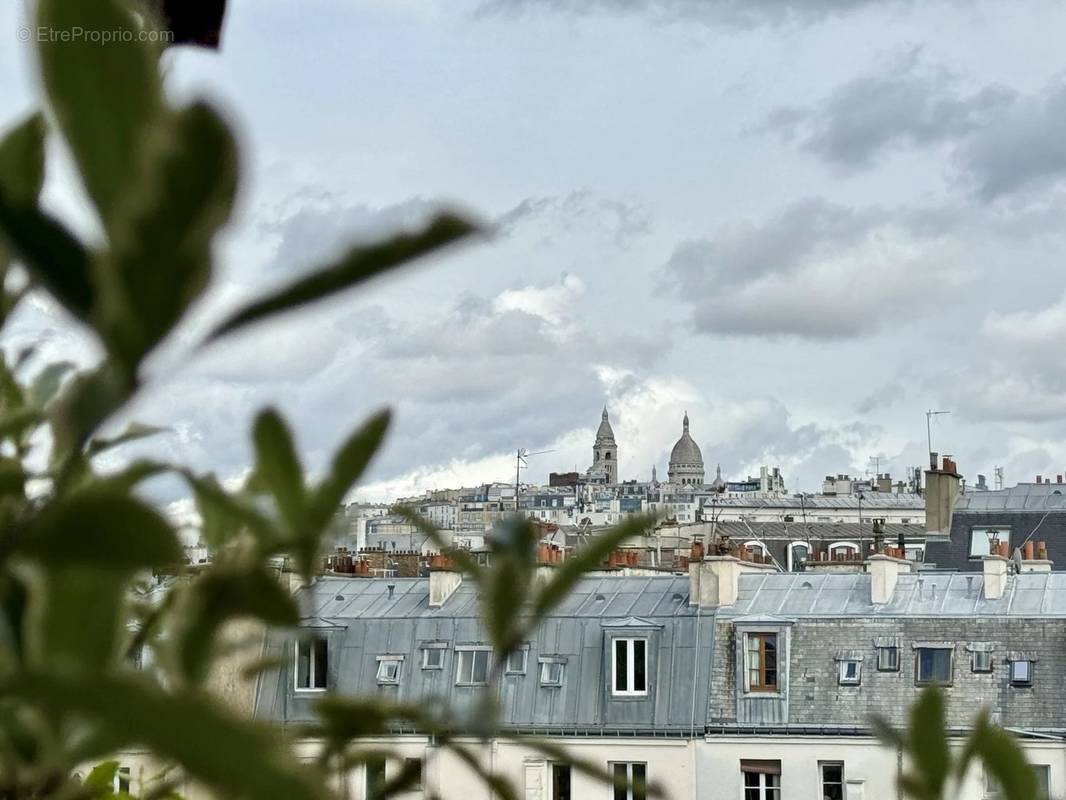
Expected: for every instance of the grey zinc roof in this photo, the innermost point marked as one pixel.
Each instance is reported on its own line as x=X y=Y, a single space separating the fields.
x=1023 y=497
x=365 y=621
x=915 y=595
x=822 y=531
x=870 y=500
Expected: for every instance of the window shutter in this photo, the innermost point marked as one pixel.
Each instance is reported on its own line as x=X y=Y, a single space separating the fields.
x=760 y=765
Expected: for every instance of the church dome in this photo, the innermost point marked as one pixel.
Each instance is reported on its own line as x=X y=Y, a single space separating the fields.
x=686 y=451
x=686 y=460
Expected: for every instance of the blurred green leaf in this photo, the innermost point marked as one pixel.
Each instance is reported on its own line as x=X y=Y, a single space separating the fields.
x=53 y=255
x=22 y=162
x=278 y=466
x=218 y=595
x=84 y=404
x=235 y=757
x=102 y=777
x=360 y=264
x=929 y=743
x=15 y=424
x=348 y=466
x=1003 y=758
x=103 y=527
x=160 y=256
x=105 y=97
x=46 y=385
x=133 y=432
x=224 y=515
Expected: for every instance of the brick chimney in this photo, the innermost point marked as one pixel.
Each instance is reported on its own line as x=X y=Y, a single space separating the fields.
x=941 y=491
x=715 y=581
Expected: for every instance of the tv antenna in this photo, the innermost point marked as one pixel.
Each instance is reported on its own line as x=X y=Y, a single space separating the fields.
x=521 y=454
x=929 y=432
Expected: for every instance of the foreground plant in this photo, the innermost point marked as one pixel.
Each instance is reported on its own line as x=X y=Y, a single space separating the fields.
x=935 y=770
x=74 y=544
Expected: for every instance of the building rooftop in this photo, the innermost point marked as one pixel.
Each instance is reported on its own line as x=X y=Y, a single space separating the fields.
x=1023 y=497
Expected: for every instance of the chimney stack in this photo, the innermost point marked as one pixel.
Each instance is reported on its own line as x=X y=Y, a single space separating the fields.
x=995 y=575
x=444 y=579
x=884 y=572
x=715 y=581
x=941 y=491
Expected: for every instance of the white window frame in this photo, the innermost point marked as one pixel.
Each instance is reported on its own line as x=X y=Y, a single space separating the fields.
x=520 y=668
x=843 y=668
x=312 y=666
x=917 y=665
x=1029 y=667
x=390 y=669
x=1004 y=532
x=547 y=667
x=765 y=789
x=843 y=777
x=755 y=544
x=439 y=651
x=845 y=545
x=792 y=547
x=629 y=765
x=472 y=654
x=629 y=643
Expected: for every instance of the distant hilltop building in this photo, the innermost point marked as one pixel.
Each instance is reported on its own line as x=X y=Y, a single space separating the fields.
x=686 y=460
x=604 y=467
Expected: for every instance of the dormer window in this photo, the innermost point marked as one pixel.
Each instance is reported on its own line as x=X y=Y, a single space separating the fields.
x=552 y=670
x=761 y=662
x=630 y=667
x=389 y=669
x=312 y=664
x=888 y=658
x=473 y=666
x=849 y=672
x=1021 y=672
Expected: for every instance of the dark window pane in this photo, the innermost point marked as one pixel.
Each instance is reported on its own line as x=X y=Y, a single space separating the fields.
x=751 y=794
x=621 y=778
x=321 y=663
x=640 y=782
x=639 y=668
x=942 y=665
x=751 y=778
x=375 y=778
x=770 y=644
x=771 y=677
x=481 y=666
x=560 y=782
x=832 y=773
x=621 y=676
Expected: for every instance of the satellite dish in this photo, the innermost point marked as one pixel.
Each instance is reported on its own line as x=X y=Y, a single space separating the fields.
x=1017 y=559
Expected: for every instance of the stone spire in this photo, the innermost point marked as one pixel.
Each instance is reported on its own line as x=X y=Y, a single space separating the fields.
x=605 y=451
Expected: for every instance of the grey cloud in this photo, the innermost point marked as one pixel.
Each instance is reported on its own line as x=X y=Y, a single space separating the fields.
x=998 y=140
x=731 y=13
x=815 y=271
x=904 y=103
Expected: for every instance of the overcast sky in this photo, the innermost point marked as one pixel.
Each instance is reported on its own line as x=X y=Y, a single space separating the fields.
x=805 y=223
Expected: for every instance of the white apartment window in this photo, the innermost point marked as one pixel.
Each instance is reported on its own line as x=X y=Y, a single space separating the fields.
x=433 y=658
x=389 y=668
x=762 y=779
x=888 y=658
x=630 y=780
x=932 y=666
x=551 y=673
x=980 y=539
x=312 y=664
x=630 y=666
x=473 y=666
x=832 y=773
x=1042 y=772
x=516 y=661
x=121 y=782
x=1021 y=673
x=850 y=672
